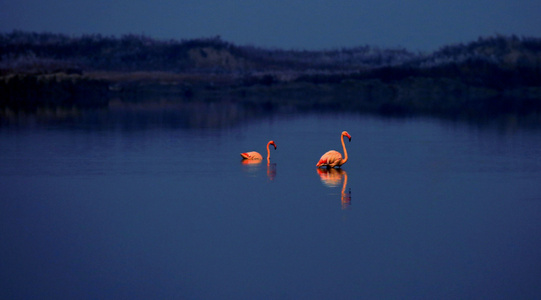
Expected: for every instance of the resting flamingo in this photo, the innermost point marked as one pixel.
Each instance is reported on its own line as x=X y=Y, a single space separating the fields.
x=253 y=155
x=334 y=158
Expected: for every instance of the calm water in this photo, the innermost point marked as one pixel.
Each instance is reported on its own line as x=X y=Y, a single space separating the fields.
x=431 y=209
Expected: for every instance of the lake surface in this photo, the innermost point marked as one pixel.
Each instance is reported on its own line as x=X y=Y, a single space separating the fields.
x=432 y=209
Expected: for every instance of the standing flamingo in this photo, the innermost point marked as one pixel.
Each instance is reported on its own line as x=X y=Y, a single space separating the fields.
x=334 y=158
x=253 y=155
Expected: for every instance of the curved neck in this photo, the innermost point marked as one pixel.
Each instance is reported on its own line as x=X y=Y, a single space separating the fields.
x=268 y=151
x=345 y=151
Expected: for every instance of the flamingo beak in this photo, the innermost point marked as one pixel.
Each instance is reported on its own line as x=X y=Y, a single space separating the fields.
x=349 y=137
x=274 y=146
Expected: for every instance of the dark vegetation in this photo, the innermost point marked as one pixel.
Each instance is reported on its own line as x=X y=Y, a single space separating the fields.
x=493 y=75
x=22 y=51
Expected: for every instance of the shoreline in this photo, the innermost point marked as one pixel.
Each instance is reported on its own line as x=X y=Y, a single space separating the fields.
x=445 y=98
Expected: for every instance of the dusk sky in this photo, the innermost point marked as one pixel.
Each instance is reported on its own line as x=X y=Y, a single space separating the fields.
x=292 y=24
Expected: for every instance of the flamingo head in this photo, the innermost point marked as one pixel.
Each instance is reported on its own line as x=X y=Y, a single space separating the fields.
x=345 y=133
x=272 y=143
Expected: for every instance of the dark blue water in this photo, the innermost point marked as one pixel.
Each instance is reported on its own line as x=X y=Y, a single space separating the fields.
x=431 y=209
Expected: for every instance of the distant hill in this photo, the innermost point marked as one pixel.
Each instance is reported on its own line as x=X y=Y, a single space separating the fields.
x=26 y=51
x=48 y=52
x=509 y=52
x=491 y=74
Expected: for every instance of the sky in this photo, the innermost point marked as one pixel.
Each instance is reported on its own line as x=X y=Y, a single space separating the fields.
x=417 y=25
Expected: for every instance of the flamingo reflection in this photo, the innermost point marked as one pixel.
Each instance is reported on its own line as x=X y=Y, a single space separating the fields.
x=332 y=178
x=271 y=170
x=252 y=166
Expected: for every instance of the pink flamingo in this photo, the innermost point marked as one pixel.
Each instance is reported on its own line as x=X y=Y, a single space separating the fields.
x=334 y=158
x=253 y=155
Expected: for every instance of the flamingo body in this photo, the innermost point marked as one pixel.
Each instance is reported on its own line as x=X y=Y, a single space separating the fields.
x=333 y=158
x=254 y=155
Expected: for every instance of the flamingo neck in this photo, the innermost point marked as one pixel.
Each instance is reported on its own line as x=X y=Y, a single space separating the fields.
x=268 y=152
x=345 y=151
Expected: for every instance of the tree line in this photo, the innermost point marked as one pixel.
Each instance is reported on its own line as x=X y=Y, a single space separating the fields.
x=22 y=51
x=493 y=61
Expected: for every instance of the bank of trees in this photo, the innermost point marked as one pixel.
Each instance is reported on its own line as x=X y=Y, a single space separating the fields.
x=492 y=61
x=506 y=67
x=21 y=50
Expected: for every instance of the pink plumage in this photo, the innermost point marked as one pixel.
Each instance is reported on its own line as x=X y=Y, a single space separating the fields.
x=334 y=158
x=253 y=155
x=331 y=158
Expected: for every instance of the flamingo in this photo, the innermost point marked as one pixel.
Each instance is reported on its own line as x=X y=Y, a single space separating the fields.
x=334 y=158
x=253 y=155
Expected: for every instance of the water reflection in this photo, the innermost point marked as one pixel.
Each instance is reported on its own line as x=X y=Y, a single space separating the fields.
x=271 y=170
x=252 y=166
x=332 y=178
x=173 y=111
x=158 y=112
